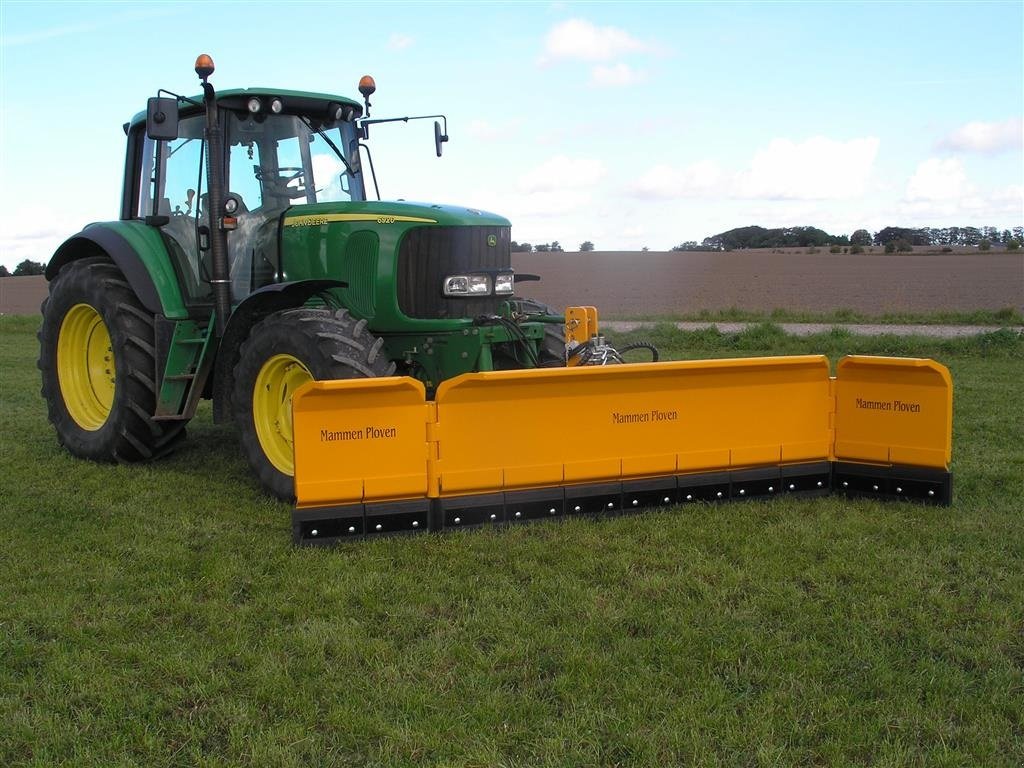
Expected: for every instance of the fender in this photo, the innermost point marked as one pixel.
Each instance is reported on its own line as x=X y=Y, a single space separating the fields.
x=256 y=306
x=139 y=252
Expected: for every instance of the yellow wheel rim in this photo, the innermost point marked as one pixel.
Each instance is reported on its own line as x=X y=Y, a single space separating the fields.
x=85 y=367
x=276 y=382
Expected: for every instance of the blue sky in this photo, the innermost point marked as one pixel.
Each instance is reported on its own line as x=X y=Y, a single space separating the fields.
x=627 y=124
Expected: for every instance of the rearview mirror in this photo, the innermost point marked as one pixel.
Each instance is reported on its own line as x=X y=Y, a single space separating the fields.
x=162 y=119
x=439 y=138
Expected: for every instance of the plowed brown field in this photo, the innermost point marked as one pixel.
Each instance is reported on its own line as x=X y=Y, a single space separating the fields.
x=624 y=284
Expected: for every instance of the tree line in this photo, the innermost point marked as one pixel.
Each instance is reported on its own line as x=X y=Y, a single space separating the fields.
x=26 y=267
x=904 y=238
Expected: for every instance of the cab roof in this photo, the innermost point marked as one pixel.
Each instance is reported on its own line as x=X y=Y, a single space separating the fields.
x=294 y=101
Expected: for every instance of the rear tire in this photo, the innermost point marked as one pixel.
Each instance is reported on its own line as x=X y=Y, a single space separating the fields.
x=98 y=365
x=284 y=351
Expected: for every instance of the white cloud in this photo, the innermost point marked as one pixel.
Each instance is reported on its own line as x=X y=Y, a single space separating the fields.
x=937 y=179
x=34 y=233
x=663 y=182
x=582 y=41
x=615 y=75
x=986 y=137
x=399 y=42
x=561 y=172
x=940 y=193
x=816 y=169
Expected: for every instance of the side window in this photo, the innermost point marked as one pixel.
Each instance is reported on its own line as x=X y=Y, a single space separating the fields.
x=244 y=164
x=183 y=165
x=179 y=165
x=170 y=173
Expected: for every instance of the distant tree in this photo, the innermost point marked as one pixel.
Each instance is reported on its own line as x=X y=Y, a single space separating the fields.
x=835 y=249
x=1012 y=245
x=521 y=247
x=29 y=267
x=985 y=245
x=1006 y=236
x=692 y=245
x=542 y=248
x=912 y=236
x=1018 y=234
x=586 y=245
x=856 y=248
x=555 y=246
x=4 y=272
x=645 y=249
x=860 y=237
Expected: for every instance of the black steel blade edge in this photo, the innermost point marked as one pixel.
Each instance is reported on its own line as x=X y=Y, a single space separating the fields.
x=323 y=526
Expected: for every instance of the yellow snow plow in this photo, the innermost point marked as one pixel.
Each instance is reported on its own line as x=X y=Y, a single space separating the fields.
x=378 y=457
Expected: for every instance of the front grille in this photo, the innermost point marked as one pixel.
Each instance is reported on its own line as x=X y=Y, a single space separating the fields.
x=430 y=254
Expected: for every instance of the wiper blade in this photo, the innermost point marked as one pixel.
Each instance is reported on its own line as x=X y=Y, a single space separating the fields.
x=330 y=143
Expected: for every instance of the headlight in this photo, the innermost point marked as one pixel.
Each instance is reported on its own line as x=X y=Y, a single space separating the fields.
x=254 y=105
x=467 y=285
x=504 y=285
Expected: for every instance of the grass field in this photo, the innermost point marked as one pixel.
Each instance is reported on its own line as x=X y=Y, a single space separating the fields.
x=158 y=615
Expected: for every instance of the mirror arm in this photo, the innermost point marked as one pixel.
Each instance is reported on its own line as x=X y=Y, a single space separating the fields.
x=179 y=98
x=373 y=173
x=404 y=120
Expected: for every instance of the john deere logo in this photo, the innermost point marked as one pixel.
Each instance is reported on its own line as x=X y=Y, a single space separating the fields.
x=492 y=240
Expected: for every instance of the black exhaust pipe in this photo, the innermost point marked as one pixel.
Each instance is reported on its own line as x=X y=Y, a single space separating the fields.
x=221 y=279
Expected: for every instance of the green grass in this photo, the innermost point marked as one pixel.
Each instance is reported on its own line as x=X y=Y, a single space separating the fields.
x=1008 y=316
x=158 y=615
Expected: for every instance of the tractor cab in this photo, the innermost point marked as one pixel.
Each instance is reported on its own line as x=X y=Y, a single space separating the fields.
x=281 y=150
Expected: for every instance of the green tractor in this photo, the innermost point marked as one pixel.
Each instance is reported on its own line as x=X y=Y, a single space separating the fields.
x=247 y=261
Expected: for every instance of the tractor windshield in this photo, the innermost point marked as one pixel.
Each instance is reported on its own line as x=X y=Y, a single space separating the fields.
x=277 y=161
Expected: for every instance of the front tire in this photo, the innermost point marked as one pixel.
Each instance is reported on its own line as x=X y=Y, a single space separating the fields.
x=98 y=366
x=283 y=352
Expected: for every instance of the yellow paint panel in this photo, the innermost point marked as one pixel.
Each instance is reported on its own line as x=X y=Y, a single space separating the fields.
x=583 y=471
x=875 y=453
x=897 y=408
x=531 y=476
x=645 y=466
x=396 y=486
x=327 y=492
x=710 y=413
x=693 y=461
x=473 y=481
x=922 y=457
x=745 y=456
x=360 y=440
x=812 y=451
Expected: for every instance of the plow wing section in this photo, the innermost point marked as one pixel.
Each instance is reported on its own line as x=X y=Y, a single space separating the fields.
x=374 y=456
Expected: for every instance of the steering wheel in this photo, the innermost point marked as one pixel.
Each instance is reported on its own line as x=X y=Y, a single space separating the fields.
x=286 y=176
